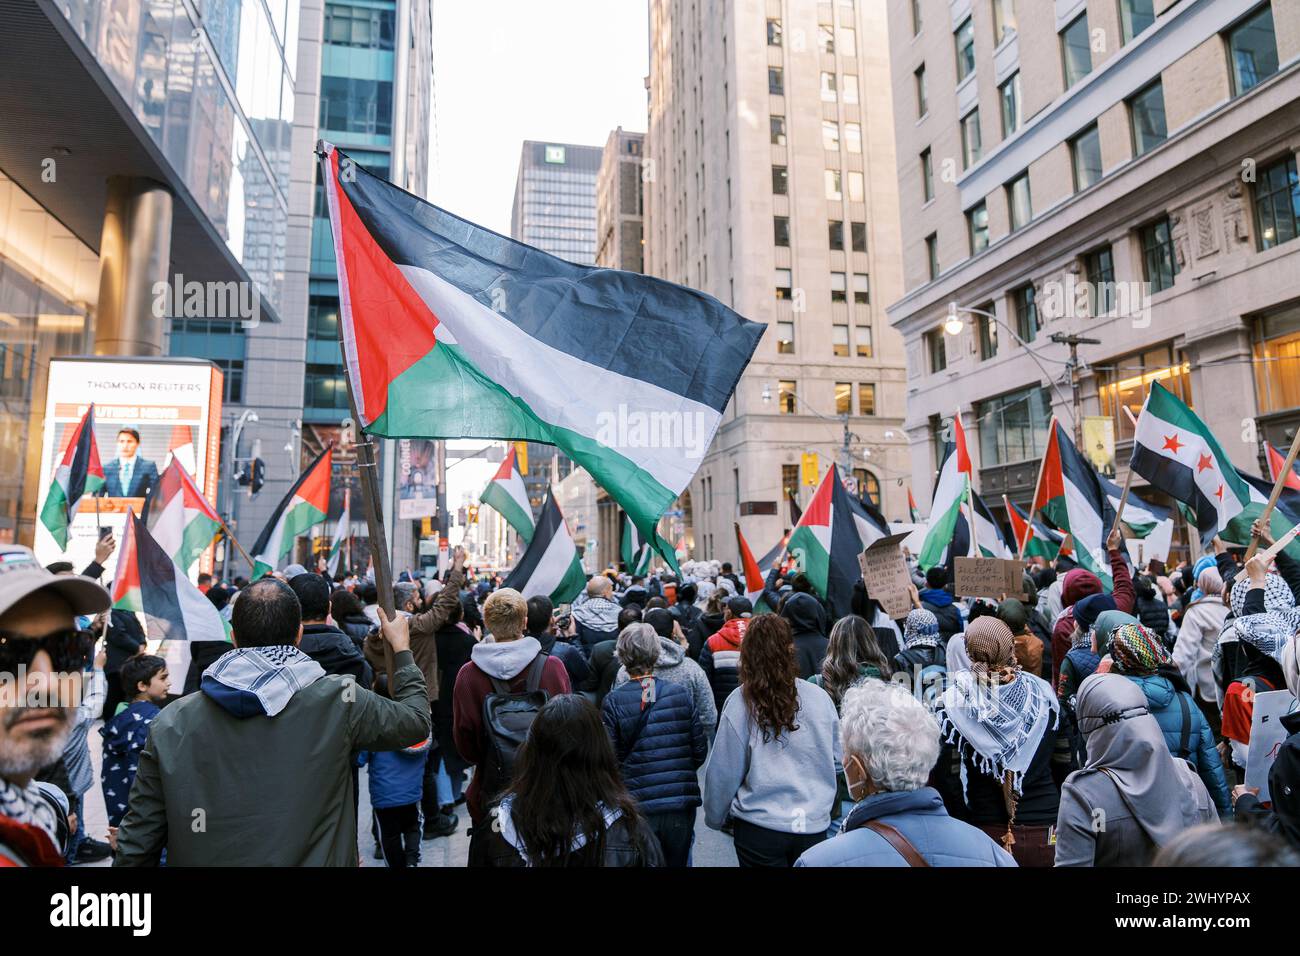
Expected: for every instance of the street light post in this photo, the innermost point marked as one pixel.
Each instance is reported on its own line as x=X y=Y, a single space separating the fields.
x=248 y=415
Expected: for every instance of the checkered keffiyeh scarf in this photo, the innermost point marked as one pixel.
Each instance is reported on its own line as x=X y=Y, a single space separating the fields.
x=1269 y=632
x=271 y=674
x=921 y=629
x=1137 y=650
x=1277 y=595
x=25 y=805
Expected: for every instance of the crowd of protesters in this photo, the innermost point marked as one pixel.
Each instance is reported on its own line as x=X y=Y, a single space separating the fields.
x=968 y=732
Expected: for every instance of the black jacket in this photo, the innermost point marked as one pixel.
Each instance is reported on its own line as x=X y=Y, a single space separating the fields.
x=125 y=635
x=621 y=850
x=660 y=745
x=604 y=666
x=983 y=802
x=357 y=628
x=1153 y=613
x=706 y=625
x=948 y=616
x=806 y=618
x=686 y=615
x=1283 y=789
x=333 y=650
x=571 y=657
x=454 y=647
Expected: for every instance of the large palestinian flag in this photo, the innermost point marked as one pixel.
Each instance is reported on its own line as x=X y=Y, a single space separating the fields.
x=634 y=550
x=550 y=565
x=179 y=517
x=148 y=581
x=506 y=495
x=827 y=541
x=78 y=473
x=450 y=330
x=951 y=489
x=1070 y=495
x=305 y=506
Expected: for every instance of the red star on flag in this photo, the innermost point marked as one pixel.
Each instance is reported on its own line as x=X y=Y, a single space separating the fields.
x=1219 y=494
x=1203 y=462
x=1172 y=443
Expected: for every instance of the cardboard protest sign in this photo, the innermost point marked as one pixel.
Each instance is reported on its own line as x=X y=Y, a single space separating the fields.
x=989 y=577
x=885 y=574
x=1266 y=736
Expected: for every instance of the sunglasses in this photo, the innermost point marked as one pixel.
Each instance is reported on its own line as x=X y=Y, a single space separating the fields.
x=69 y=649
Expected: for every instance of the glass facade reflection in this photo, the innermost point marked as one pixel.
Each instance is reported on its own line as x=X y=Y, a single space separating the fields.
x=555 y=200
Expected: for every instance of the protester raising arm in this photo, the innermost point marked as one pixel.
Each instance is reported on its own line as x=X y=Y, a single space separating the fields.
x=1288 y=568
x=381 y=724
x=427 y=623
x=1122 y=580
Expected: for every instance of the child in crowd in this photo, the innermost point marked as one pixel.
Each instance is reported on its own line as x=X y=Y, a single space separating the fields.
x=146 y=683
x=396 y=779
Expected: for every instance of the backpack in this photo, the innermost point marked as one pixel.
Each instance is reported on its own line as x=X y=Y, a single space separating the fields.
x=507 y=716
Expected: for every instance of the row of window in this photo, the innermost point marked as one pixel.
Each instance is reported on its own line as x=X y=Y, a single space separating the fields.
x=830 y=39
x=834 y=233
x=868 y=484
x=841 y=346
x=831 y=88
x=787 y=398
x=839 y=286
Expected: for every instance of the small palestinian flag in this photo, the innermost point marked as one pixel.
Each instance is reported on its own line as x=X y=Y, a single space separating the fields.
x=550 y=564
x=950 y=491
x=1070 y=495
x=147 y=581
x=341 y=535
x=913 y=512
x=179 y=517
x=78 y=473
x=1032 y=538
x=750 y=571
x=634 y=550
x=180 y=447
x=506 y=495
x=827 y=542
x=1276 y=462
x=304 y=507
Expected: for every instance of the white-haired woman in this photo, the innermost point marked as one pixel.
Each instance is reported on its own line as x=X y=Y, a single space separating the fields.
x=890 y=742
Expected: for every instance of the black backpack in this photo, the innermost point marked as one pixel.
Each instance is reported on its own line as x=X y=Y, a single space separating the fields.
x=506 y=719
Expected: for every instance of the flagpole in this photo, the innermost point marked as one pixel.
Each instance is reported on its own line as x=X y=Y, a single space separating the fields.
x=970 y=489
x=238 y=547
x=1033 y=502
x=1123 y=499
x=1278 y=485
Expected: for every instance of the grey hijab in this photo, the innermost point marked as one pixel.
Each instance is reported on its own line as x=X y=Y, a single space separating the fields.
x=1125 y=743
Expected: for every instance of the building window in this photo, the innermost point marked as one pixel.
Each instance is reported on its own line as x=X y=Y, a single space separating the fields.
x=932 y=254
x=1009 y=94
x=786 y=397
x=987 y=327
x=324 y=387
x=784 y=283
x=778 y=130
x=773 y=32
x=916 y=17
x=1277 y=361
x=922 y=106
x=1252 y=50
x=1004 y=20
x=853 y=137
x=1076 y=51
x=850 y=88
x=857 y=187
x=835 y=233
x=830 y=135
x=1013 y=427
x=964 y=39
x=858 y=235
x=1018 y=203
x=1135 y=16
x=790 y=481
x=868 y=485
x=784 y=338
x=846 y=39
x=1027 y=320
x=977 y=225
x=866 y=398
x=775 y=81
x=834 y=185
x=839 y=287
x=232 y=385
x=861 y=288
x=1099 y=268
x=1277 y=203
x=972 y=147
x=780 y=180
x=937 y=350
x=1085 y=155
x=366 y=27
x=351 y=105
x=1147 y=111
x=1159 y=261
x=1127 y=380
x=844 y=395
x=825 y=38
x=829 y=91
x=840 y=340
x=323 y=319
x=864 y=343
x=781 y=230
x=927 y=176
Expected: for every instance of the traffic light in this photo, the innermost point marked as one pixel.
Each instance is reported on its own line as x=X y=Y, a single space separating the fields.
x=257 y=478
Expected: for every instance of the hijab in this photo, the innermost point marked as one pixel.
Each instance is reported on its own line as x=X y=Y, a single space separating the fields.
x=1125 y=742
x=1104 y=626
x=921 y=629
x=1137 y=651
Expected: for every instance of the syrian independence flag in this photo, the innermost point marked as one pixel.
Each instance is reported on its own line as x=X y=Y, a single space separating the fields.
x=304 y=507
x=78 y=473
x=452 y=331
x=179 y=517
x=506 y=495
x=1276 y=462
x=913 y=513
x=949 y=492
x=634 y=550
x=827 y=541
x=147 y=581
x=549 y=566
x=1141 y=517
x=341 y=534
x=1070 y=495
x=1032 y=538
x=1178 y=454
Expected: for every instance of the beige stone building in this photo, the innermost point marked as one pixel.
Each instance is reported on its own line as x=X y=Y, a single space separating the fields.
x=1121 y=170
x=770 y=185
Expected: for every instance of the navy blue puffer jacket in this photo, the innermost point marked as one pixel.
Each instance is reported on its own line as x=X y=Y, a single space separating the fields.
x=660 y=765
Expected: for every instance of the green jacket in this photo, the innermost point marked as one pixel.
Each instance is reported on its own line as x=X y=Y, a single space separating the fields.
x=214 y=789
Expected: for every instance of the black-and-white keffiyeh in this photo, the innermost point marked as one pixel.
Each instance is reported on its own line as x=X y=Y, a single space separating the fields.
x=1000 y=725
x=508 y=832
x=1277 y=594
x=26 y=806
x=251 y=680
x=1268 y=633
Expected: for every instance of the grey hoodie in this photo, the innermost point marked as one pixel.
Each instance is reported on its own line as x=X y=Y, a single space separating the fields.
x=676 y=668
x=507 y=659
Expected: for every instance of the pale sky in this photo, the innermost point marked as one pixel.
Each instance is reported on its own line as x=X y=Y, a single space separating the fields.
x=563 y=71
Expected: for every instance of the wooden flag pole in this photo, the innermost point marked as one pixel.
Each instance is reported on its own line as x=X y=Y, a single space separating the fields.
x=1038 y=482
x=238 y=547
x=1279 y=544
x=1123 y=500
x=1278 y=485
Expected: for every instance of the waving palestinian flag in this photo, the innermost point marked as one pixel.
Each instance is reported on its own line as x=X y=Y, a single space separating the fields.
x=506 y=495
x=305 y=506
x=550 y=564
x=635 y=552
x=450 y=331
x=750 y=571
x=148 y=581
x=1034 y=538
x=950 y=491
x=1142 y=518
x=341 y=535
x=913 y=513
x=179 y=517
x=1276 y=462
x=1070 y=495
x=827 y=541
x=78 y=473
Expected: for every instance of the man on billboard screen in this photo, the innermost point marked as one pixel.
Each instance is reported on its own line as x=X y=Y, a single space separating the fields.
x=129 y=475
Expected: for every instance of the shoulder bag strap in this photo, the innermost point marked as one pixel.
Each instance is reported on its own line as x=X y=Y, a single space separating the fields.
x=1185 y=736
x=900 y=843
x=535 y=670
